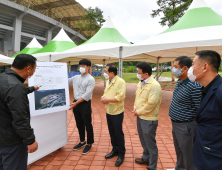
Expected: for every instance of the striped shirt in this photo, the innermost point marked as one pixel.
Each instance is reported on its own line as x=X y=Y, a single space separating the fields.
x=186 y=100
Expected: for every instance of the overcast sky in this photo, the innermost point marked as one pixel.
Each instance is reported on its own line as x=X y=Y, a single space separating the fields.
x=132 y=17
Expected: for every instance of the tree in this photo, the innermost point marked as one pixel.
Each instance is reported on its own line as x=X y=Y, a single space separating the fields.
x=172 y=10
x=92 y=21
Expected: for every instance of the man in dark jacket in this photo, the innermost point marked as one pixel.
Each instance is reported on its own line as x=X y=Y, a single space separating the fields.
x=17 y=138
x=207 y=153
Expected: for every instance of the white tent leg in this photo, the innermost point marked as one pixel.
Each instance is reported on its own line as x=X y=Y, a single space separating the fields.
x=120 y=62
x=69 y=68
x=171 y=71
x=104 y=71
x=157 y=69
x=50 y=58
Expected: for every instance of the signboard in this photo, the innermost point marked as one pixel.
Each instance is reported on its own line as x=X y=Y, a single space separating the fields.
x=53 y=94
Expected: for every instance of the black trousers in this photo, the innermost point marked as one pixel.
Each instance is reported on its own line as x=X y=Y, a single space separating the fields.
x=83 y=116
x=14 y=157
x=115 y=127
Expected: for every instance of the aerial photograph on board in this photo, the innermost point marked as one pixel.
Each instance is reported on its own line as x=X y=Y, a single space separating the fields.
x=49 y=98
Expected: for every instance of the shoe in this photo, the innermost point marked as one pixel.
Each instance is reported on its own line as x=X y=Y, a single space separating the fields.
x=86 y=149
x=141 y=161
x=171 y=169
x=111 y=155
x=119 y=161
x=79 y=146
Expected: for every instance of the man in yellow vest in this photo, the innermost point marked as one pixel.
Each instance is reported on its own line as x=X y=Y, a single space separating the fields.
x=146 y=107
x=113 y=98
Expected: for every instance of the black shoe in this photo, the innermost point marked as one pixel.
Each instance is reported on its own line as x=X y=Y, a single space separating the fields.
x=86 y=149
x=111 y=155
x=141 y=161
x=119 y=161
x=79 y=146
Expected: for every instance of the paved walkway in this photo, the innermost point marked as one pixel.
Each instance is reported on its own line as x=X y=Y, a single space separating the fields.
x=67 y=159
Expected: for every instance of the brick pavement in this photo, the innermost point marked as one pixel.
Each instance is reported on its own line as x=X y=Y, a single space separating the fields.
x=67 y=159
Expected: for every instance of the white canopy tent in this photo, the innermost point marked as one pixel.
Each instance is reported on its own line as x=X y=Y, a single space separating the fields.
x=60 y=43
x=103 y=47
x=32 y=47
x=199 y=29
x=5 y=60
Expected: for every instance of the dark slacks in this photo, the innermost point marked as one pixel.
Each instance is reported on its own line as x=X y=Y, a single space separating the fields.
x=14 y=157
x=115 y=127
x=83 y=116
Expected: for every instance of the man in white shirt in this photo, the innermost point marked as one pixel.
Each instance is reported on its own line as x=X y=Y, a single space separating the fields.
x=83 y=86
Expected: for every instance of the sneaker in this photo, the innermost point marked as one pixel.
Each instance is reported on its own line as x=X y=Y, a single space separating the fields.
x=79 y=146
x=86 y=149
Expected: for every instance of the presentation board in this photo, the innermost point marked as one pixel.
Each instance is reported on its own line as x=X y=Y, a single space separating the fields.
x=51 y=134
x=53 y=94
x=48 y=108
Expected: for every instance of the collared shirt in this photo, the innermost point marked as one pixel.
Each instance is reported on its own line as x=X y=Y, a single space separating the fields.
x=83 y=86
x=206 y=89
x=144 y=81
x=111 y=80
x=148 y=99
x=116 y=89
x=186 y=100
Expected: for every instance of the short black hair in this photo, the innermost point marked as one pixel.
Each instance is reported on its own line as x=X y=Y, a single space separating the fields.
x=184 y=61
x=85 y=62
x=146 y=67
x=23 y=60
x=211 y=57
x=112 y=68
x=110 y=64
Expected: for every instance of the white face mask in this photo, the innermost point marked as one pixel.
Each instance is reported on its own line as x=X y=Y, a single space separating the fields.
x=106 y=76
x=139 y=76
x=82 y=70
x=190 y=74
x=177 y=72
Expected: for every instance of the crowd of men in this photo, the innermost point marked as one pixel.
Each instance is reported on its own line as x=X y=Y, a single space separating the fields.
x=195 y=112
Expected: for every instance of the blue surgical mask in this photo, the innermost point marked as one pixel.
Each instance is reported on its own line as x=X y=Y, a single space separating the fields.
x=177 y=72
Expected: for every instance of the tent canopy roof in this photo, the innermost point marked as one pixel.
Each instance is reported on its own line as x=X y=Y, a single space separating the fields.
x=102 y=46
x=5 y=60
x=32 y=47
x=60 y=43
x=199 y=29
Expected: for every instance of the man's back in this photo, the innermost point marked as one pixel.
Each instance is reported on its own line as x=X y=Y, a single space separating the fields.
x=14 y=107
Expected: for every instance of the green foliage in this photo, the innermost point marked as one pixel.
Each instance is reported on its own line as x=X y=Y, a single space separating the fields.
x=92 y=21
x=129 y=69
x=172 y=10
x=168 y=70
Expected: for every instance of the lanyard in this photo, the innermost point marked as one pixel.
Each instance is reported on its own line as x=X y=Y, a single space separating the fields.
x=79 y=83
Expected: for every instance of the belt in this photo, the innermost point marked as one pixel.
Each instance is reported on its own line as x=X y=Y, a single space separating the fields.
x=82 y=102
x=178 y=121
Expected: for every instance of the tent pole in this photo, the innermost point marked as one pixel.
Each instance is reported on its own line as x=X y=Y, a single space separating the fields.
x=121 y=62
x=171 y=71
x=103 y=72
x=50 y=58
x=157 y=69
x=70 y=67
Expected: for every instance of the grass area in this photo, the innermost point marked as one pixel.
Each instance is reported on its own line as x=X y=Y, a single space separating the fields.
x=131 y=77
